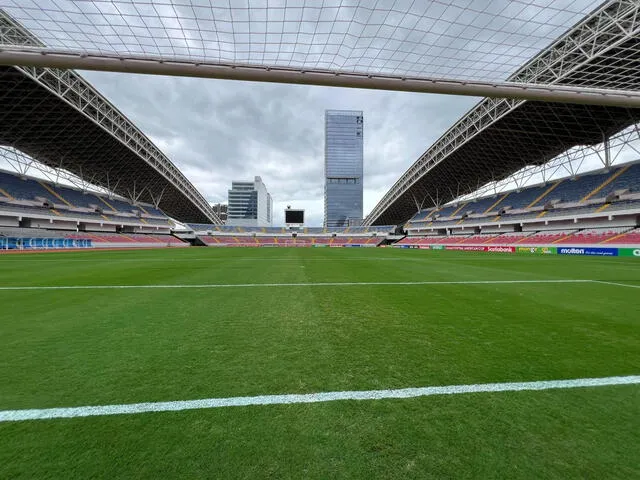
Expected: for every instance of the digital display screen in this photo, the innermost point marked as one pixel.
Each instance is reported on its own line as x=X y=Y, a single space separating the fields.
x=294 y=216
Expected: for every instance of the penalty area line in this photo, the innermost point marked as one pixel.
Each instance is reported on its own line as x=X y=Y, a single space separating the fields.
x=288 y=399
x=265 y=285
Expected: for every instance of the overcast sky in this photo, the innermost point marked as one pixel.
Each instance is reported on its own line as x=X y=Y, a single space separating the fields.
x=217 y=131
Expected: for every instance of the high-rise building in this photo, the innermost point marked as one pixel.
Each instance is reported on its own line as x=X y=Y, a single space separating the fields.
x=250 y=205
x=343 y=151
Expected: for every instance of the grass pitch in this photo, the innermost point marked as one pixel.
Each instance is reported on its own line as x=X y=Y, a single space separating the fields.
x=63 y=348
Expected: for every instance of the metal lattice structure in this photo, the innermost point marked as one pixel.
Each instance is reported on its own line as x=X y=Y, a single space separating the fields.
x=14 y=160
x=470 y=47
x=499 y=137
x=621 y=148
x=59 y=119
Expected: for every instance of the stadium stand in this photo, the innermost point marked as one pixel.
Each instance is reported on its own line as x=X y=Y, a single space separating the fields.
x=32 y=239
x=473 y=239
x=591 y=195
x=378 y=229
x=546 y=237
x=35 y=214
x=593 y=236
x=27 y=196
x=287 y=240
x=628 y=238
x=595 y=208
x=507 y=238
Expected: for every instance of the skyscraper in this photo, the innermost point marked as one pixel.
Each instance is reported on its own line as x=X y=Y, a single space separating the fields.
x=343 y=149
x=250 y=205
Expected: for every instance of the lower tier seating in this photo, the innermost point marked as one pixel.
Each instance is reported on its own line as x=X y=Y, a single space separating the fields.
x=592 y=236
x=287 y=240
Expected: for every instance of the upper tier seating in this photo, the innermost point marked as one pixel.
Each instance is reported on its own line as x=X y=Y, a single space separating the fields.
x=14 y=192
x=586 y=194
x=484 y=205
x=526 y=197
x=18 y=189
x=628 y=179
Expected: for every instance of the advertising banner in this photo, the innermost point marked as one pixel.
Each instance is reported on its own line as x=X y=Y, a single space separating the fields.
x=538 y=250
x=436 y=247
x=607 y=252
x=467 y=248
x=629 y=252
x=501 y=249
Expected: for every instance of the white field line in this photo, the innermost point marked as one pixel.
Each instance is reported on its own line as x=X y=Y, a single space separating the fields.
x=318 y=284
x=617 y=284
x=134 y=408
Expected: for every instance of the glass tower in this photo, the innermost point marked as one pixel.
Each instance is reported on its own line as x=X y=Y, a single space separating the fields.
x=343 y=148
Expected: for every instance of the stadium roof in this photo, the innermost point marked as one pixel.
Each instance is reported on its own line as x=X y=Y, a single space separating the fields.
x=59 y=119
x=466 y=47
x=501 y=136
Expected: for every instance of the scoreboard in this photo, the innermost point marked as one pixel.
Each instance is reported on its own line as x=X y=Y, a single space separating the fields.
x=294 y=217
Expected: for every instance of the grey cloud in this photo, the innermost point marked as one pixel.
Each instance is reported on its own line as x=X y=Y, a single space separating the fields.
x=218 y=131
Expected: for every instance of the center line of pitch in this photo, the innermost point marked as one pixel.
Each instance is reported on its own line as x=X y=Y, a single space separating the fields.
x=134 y=408
x=318 y=284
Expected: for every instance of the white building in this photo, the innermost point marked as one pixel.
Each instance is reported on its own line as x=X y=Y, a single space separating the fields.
x=250 y=205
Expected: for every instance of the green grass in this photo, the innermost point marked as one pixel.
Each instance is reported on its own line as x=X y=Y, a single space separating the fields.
x=93 y=347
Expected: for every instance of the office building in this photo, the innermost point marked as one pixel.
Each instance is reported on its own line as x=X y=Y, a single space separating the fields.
x=343 y=151
x=250 y=205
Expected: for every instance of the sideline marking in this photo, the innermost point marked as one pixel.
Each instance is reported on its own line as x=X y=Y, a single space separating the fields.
x=134 y=408
x=319 y=284
x=618 y=284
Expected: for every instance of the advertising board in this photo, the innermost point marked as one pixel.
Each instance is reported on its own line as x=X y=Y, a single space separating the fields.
x=538 y=250
x=499 y=249
x=607 y=252
x=629 y=252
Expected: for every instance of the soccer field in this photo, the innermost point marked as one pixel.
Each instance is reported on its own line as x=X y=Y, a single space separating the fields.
x=358 y=327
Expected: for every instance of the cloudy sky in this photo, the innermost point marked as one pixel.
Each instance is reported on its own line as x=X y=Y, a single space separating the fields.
x=217 y=131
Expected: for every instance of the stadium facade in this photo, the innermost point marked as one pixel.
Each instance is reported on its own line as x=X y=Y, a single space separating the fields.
x=343 y=153
x=250 y=204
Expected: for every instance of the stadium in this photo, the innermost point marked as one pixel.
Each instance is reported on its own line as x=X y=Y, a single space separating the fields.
x=477 y=323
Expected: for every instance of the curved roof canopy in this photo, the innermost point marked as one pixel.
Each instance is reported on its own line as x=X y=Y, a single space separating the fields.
x=60 y=120
x=498 y=137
